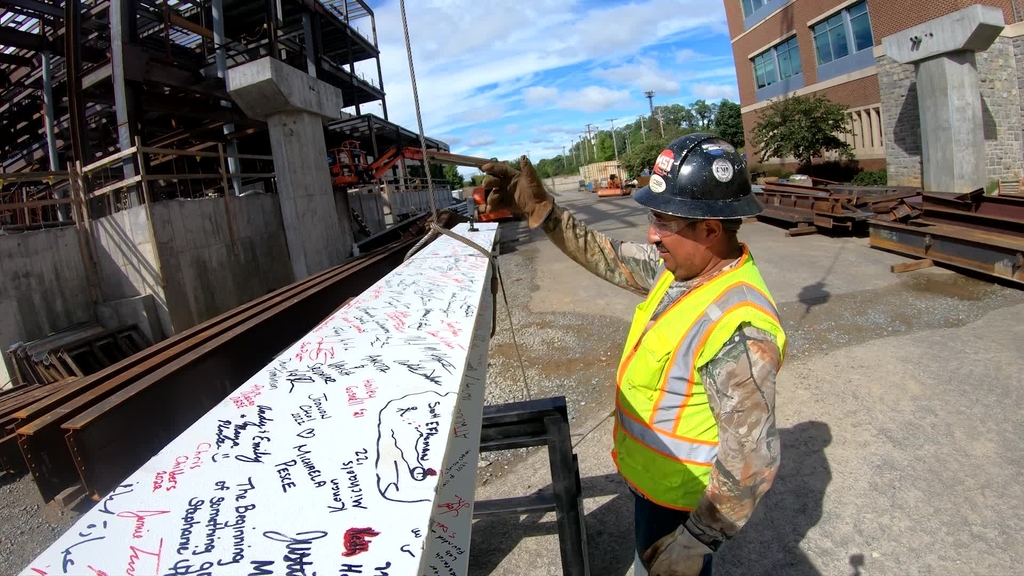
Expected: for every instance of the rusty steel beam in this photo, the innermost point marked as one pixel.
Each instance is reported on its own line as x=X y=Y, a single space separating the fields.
x=40 y=437
x=997 y=255
x=103 y=440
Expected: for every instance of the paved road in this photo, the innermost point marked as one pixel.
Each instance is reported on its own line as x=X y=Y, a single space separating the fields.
x=898 y=410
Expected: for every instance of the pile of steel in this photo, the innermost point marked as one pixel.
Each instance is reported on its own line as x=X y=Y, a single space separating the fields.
x=95 y=430
x=77 y=351
x=971 y=231
x=836 y=207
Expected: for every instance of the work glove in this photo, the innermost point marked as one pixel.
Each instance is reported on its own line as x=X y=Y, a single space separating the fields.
x=678 y=554
x=519 y=191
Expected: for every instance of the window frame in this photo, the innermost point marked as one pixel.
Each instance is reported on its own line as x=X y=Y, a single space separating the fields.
x=745 y=3
x=846 y=27
x=774 y=53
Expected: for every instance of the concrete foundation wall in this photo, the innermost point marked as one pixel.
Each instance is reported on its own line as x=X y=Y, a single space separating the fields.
x=43 y=287
x=369 y=206
x=417 y=201
x=207 y=273
x=126 y=256
x=1001 y=79
x=562 y=184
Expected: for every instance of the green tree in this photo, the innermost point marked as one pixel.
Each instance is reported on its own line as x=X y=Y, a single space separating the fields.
x=729 y=123
x=705 y=114
x=802 y=127
x=643 y=155
x=452 y=175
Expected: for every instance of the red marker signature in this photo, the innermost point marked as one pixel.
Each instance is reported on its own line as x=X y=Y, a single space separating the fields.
x=357 y=541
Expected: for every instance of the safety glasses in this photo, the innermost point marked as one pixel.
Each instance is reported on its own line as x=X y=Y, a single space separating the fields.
x=667 y=227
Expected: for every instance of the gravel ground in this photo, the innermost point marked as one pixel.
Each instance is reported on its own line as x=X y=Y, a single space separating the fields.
x=27 y=527
x=564 y=354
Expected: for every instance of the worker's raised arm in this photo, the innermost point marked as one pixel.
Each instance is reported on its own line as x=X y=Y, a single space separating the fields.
x=626 y=264
x=740 y=386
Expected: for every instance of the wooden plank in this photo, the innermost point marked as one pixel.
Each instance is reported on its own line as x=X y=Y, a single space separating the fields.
x=116 y=186
x=6 y=177
x=198 y=154
x=353 y=448
x=801 y=231
x=36 y=203
x=911 y=266
x=108 y=160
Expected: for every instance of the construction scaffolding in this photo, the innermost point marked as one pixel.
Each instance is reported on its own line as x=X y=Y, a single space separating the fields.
x=133 y=94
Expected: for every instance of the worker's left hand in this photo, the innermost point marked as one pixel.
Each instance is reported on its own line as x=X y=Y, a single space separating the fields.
x=678 y=554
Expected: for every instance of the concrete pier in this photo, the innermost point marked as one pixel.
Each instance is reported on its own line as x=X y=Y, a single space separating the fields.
x=949 y=100
x=294 y=104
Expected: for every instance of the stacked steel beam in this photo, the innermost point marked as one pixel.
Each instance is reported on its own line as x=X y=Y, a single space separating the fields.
x=95 y=430
x=835 y=207
x=970 y=231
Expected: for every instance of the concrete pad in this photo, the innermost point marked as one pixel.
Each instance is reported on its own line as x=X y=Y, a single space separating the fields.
x=897 y=409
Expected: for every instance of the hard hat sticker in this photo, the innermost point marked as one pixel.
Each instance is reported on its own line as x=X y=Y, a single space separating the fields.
x=717 y=148
x=723 y=170
x=657 y=184
x=663 y=165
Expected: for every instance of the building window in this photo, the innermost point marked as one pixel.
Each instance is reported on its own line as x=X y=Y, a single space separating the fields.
x=845 y=33
x=751 y=6
x=777 y=63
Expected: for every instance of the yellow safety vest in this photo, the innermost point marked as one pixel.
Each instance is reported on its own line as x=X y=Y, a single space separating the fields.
x=666 y=437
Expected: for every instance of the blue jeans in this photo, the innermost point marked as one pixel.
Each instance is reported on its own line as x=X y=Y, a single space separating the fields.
x=652 y=522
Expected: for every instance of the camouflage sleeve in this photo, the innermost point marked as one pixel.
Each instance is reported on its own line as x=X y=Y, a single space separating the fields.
x=740 y=384
x=626 y=264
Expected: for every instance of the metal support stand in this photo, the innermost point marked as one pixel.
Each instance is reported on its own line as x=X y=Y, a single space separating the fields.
x=543 y=422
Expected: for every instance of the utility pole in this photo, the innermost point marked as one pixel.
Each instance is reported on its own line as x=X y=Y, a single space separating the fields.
x=615 y=144
x=661 y=119
x=593 y=140
x=650 y=100
x=583 y=148
x=643 y=130
x=563 y=158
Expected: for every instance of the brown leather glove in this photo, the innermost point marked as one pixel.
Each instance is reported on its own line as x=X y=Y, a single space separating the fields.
x=677 y=554
x=520 y=191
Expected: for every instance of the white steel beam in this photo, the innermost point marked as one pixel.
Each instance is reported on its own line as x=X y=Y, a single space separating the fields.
x=353 y=452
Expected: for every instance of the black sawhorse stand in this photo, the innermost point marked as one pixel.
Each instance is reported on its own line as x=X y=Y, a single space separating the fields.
x=539 y=423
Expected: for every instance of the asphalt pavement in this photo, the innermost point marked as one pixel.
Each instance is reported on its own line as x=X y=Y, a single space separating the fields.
x=898 y=409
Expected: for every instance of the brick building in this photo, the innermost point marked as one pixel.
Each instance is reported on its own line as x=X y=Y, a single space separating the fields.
x=834 y=47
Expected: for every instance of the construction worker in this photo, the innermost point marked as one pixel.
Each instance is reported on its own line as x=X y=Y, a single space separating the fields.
x=695 y=436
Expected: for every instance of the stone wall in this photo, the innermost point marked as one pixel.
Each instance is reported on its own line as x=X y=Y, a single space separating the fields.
x=901 y=123
x=1001 y=109
x=1001 y=78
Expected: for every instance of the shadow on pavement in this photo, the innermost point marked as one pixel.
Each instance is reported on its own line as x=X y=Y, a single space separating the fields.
x=769 y=545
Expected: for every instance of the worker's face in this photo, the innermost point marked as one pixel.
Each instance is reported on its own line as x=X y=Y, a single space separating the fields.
x=684 y=245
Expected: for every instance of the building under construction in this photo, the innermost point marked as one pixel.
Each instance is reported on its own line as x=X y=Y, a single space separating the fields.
x=162 y=161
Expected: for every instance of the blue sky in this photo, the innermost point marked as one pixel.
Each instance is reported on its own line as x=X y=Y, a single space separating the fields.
x=500 y=79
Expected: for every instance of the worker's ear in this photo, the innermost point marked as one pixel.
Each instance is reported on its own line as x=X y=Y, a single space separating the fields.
x=709 y=231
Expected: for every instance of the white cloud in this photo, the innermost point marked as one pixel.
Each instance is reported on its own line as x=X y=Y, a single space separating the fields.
x=557 y=130
x=540 y=95
x=481 y=140
x=475 y=58
x=715 y=91
x=512 y=129
x=643 y=74
x=483 y=113
x=687 y=56
x=593 y=99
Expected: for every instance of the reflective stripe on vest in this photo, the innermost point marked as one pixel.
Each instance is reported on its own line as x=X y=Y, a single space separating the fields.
x=666 y=436
x=677 y=383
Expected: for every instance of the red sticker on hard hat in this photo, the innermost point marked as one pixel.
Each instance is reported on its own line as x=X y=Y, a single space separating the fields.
x=663 y=165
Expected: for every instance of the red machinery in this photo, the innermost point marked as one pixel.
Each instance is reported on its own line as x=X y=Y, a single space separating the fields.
x=349 y=168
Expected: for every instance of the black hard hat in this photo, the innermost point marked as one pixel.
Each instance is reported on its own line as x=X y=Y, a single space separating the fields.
x=700 y=176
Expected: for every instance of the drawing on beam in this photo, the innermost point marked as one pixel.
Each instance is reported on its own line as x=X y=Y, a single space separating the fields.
x=408 y=450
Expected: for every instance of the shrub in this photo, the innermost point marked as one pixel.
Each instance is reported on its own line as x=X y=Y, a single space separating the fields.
x=867 y=178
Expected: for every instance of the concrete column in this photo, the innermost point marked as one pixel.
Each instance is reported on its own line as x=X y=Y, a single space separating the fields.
x=294 y=105
x=949 y=101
